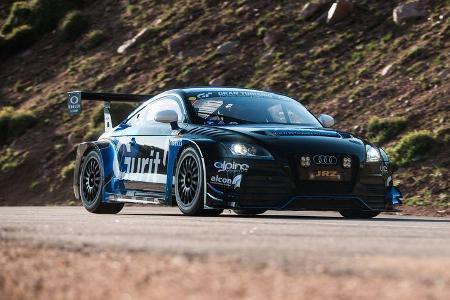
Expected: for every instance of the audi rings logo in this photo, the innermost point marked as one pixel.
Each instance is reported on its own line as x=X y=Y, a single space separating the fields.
x=325 y=159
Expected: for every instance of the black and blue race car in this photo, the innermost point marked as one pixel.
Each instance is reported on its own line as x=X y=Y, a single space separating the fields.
x=207 y=149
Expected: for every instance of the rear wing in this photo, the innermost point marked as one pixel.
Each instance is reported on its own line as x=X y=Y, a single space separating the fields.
x=75 y=98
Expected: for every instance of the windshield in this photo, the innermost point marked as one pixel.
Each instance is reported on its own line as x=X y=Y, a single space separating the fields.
x=242 y=107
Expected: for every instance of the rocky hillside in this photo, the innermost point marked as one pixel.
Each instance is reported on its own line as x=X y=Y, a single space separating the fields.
x=382 y=68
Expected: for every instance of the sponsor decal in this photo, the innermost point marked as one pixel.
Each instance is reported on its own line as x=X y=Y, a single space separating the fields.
x=142 y=159
x=327 y=174
x=224 y=166
x=74 y=100
x=237 y=181
x=228 y=182
x=177 y=143
x=204 y=95
x=74 y=103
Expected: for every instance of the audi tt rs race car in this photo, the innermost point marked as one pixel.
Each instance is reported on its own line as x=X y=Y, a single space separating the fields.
x=209 y=149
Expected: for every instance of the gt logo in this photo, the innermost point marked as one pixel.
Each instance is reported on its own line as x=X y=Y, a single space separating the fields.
x=327 y=174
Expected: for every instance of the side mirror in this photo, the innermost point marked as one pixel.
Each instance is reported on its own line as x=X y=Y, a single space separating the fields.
x=166 y=116
x=326 y=120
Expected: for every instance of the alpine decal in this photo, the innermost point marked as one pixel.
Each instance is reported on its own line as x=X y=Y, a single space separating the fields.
x=224 y=166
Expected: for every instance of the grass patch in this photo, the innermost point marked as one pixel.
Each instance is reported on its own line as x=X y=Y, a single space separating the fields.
x=14 y=123
x=416 y=53
x=11 y=159
x=72 y=26
x=93 y=39
x=382 y=130
x=29 y=20
x=414 y=146
x=67 y=170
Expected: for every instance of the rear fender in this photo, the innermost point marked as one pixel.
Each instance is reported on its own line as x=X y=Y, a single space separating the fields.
x=107 y=151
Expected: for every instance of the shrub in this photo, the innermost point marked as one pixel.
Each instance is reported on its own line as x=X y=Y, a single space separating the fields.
x=416 y=53
x=382 y=130
x=67 y=170
x=11 y=159
x=20 y=38
x=21 y=13
x=413 y=147
x=72 y=26
x=93 y=39
x=40 y=17
x=14 y=123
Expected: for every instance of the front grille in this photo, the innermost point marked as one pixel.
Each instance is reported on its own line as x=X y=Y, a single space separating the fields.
x=266 y=184
x=325 y=203
x=374 y=195
x=322 y=187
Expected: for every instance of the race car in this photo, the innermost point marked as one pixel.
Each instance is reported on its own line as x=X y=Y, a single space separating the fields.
x=206 y=149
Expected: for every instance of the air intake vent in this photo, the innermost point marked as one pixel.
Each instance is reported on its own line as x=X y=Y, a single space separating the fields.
x=208 y=132
x=300 y=132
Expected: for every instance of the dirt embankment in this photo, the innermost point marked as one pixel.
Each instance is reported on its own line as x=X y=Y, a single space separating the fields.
x=38 y=272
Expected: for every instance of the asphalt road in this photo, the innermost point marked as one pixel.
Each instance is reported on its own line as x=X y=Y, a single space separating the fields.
x=300 y=239
x=142 y=251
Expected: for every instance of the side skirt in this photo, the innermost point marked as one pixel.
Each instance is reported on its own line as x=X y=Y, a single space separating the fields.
x=141 y=197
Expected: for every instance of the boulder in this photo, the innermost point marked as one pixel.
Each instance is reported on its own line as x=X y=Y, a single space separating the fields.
x=177 y=44
x=227 y=47
x=137 y=39
x=407 y=11
x=310 y=9
x=339 y=11
x=386 y=71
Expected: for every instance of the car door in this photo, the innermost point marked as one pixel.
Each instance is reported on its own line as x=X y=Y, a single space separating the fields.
x=145 y=158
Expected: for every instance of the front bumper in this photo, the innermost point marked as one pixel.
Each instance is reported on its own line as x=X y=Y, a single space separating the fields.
x=279 y=185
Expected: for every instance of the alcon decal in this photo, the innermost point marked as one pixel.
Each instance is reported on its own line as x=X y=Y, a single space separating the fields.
x=224 y=166
x=228 y=182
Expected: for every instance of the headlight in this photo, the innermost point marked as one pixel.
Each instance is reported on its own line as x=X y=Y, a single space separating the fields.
x=240 y=149
x=373 y=154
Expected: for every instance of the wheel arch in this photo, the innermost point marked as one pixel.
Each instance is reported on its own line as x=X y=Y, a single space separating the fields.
x=104 y=149
x=176 y=147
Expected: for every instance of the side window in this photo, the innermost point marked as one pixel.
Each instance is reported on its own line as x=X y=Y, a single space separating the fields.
x=136 y=119
x=163 y=104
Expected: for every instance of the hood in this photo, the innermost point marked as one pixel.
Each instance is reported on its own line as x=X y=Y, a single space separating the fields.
x=295 y=139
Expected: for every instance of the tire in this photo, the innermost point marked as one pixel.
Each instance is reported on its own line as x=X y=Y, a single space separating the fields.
x=249 y=212
x=189 y=183
x=91 y=181
x=355 y=214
